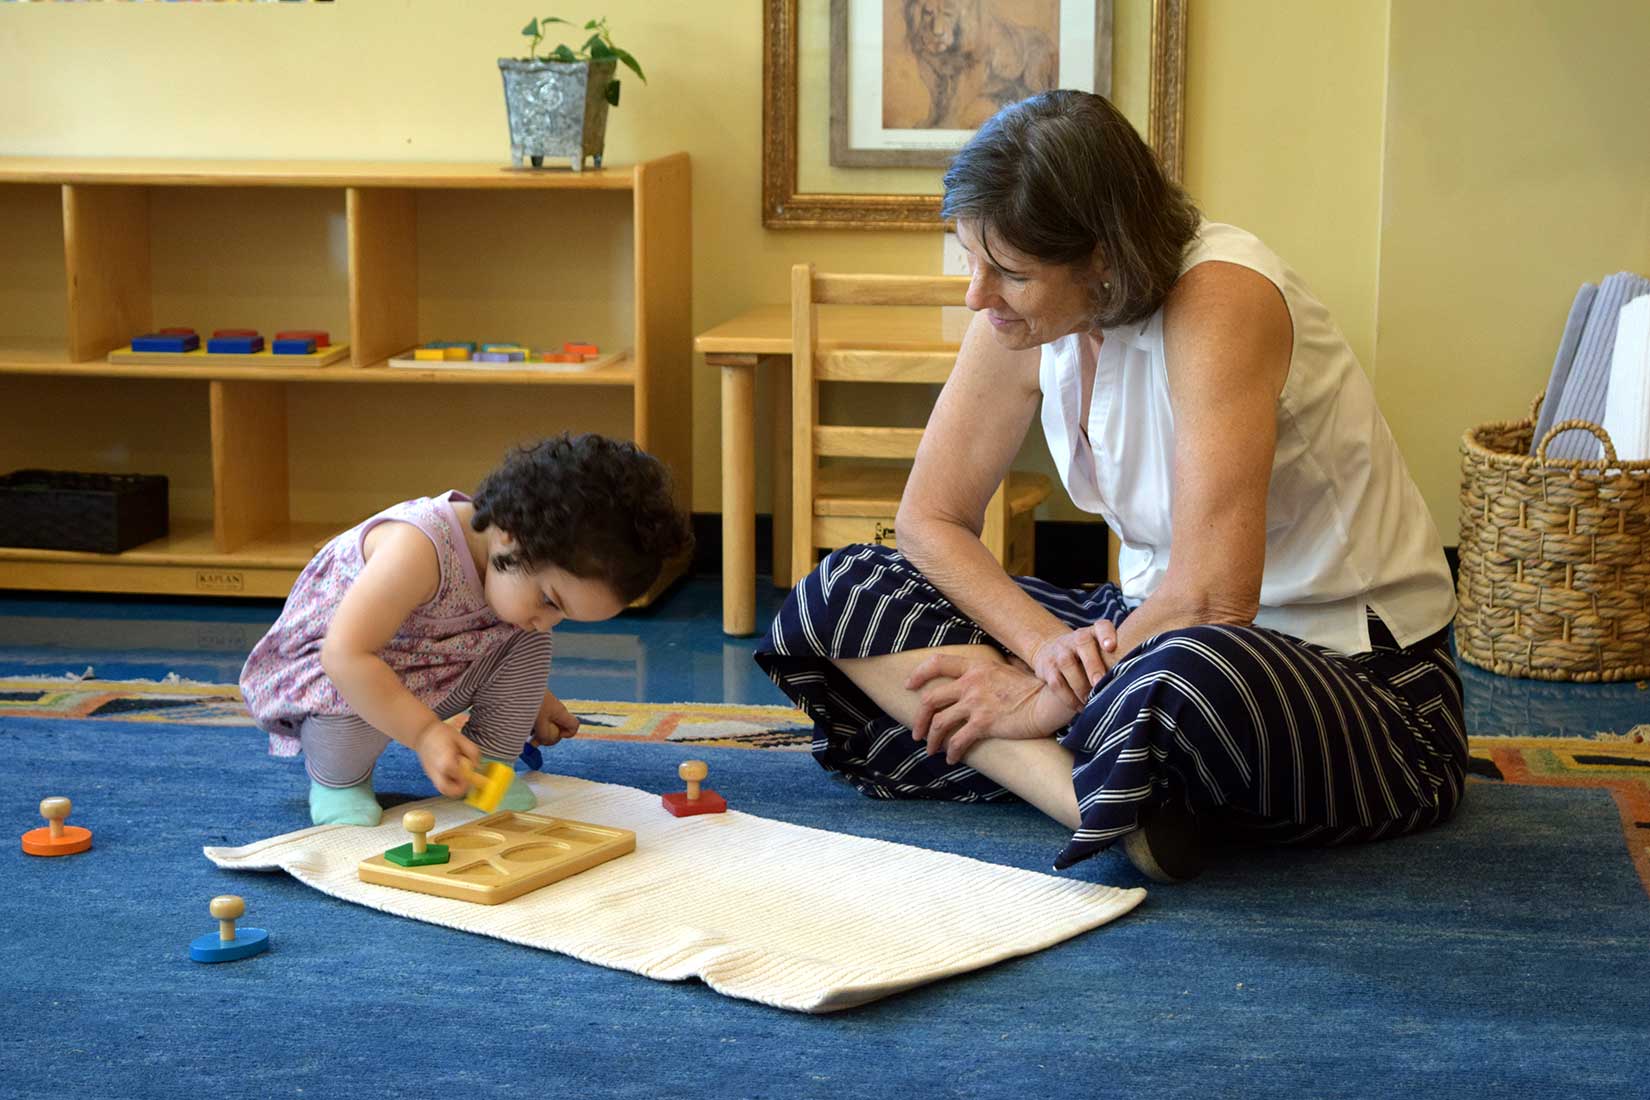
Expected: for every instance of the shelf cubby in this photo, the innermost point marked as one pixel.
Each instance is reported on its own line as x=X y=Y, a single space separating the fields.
x=266 y=462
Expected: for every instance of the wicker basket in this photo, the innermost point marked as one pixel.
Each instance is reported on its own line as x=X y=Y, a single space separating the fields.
x=1555 y=557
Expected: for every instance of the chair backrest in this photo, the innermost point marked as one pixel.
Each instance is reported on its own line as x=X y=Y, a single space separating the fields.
x=873 y=358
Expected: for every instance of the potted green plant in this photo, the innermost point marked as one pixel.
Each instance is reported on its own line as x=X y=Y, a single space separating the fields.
x=557 y=103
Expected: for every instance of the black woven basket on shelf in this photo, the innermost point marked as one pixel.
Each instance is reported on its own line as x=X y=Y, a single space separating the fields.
x=66 y=510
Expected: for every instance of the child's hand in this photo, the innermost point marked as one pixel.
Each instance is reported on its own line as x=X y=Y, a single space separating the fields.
x=554 y=722
x=448 y=758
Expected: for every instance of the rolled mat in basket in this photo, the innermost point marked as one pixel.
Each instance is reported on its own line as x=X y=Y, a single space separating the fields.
x=1555 y=557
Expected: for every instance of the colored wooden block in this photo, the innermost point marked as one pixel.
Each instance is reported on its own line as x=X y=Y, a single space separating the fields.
x=228 y=943
x=459 y=353
x=403 y=855
x=56 y=839
x=575 y=347
x=320 y=336
x=210 y=948
x=293 y=345
x=696 y=799
x=680 y=805
x=226 y=332
x=418 y=853
x=177 y=331
x=504 y=347
x=505 y=855
x=492 y=357
x=164 y=341
x=488 y=785
x=436 y=355
x=235 y=345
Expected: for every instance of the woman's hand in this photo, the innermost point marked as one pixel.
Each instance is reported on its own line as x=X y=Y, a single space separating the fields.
x=1071 y=664
x=964 y=701
x=554 y=721
x=448 y=758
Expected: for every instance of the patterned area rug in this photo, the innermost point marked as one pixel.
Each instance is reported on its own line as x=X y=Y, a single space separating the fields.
x=186 y=702
x=1618 y=763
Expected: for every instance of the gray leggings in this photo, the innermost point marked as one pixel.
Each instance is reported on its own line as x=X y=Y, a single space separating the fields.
x=502 y=692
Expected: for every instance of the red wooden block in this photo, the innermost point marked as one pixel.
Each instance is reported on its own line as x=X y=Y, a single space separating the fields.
x=318 y=335
x=708 y=802
x=573 y=347
x=176 y=332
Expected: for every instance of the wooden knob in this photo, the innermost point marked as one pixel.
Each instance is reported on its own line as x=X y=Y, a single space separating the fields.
x=55 y=810
x=418 y=822
x=227 y=908
x=693 y=771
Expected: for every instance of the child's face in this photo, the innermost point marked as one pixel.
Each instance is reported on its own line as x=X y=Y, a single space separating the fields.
x=541 y=599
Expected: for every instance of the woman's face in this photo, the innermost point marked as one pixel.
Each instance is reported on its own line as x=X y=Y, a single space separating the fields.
x=1027 y=301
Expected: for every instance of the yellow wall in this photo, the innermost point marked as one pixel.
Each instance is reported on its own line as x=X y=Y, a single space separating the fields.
x=1517 y=168
x=1447 y=223
x=1283 y=137
x=415 y=79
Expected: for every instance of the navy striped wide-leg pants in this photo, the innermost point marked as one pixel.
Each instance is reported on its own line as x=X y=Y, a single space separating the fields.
x=1261 y=735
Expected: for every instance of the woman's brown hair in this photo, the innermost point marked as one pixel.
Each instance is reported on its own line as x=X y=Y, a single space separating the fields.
x=1063 y=174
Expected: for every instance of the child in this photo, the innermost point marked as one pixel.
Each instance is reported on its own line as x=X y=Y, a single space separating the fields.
x=445 y=603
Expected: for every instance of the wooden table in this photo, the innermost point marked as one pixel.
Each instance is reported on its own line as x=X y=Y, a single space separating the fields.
x=761 y=337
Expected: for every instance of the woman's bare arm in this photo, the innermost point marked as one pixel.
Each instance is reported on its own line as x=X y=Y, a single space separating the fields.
x=1227 y=341
x=972 y=436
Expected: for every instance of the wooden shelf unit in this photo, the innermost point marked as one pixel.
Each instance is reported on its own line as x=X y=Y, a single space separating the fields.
x=244 y=485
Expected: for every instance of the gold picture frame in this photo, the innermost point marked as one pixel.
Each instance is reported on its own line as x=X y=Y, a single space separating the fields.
x=784 y=207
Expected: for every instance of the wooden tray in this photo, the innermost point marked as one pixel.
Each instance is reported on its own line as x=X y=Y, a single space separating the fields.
x=405 y=361
x=503 y=856
x=200 y=357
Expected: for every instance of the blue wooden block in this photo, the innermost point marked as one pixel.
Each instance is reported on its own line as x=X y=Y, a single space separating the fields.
x=295 y=347
x=235 y=345
x=159 y=341
x=209 y=948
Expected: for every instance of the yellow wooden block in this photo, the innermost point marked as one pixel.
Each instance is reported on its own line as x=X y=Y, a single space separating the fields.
x=503 y=856
x=456 y=354
x=437 y=354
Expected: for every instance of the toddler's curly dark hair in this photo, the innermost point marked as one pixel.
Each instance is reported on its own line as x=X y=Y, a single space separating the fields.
x=599 y=508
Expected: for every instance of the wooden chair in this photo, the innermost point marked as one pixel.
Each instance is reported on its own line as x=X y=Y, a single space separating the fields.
x=841 y=502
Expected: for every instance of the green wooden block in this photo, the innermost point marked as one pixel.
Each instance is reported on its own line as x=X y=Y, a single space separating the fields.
x=403 y=855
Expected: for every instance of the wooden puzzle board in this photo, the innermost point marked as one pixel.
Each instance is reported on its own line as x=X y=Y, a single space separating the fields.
x=406 y=361
x=200 y=357
x=503 y=856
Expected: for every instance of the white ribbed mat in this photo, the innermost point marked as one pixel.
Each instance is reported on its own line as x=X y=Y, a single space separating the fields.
x=792 y=917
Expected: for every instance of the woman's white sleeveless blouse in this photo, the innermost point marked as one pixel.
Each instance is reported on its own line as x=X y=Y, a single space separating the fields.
x=1345 y=526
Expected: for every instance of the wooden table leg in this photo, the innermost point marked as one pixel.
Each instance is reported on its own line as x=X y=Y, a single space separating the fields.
x=781 y=375
x=738 y=494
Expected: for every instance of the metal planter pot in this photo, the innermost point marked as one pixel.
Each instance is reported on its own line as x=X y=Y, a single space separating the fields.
x=556 y=109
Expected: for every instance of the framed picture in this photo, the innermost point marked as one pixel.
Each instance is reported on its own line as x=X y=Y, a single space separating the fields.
x=911 y=80
x=885 y=174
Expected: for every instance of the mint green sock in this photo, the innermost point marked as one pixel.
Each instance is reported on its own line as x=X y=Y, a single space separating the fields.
x=356 y=805
x=520 y=796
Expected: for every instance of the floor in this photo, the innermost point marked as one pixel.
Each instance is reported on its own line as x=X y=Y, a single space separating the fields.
x=674 y=651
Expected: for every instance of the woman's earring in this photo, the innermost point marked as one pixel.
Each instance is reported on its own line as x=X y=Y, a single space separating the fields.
x=1105 y=286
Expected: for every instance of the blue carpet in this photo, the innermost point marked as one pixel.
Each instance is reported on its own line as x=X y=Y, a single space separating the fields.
x=1504 y=955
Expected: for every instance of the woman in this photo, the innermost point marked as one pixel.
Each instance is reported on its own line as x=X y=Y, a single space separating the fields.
x=1283 y=676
